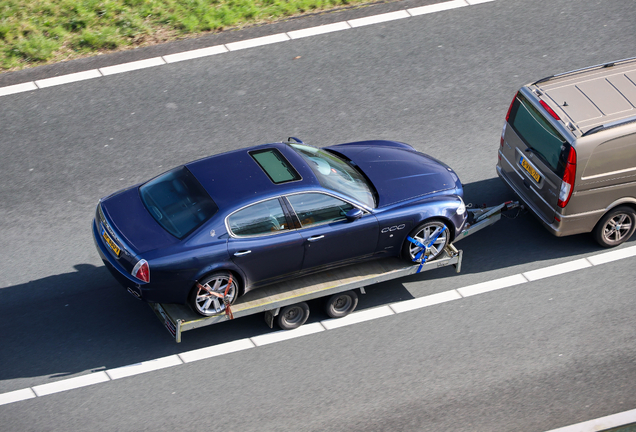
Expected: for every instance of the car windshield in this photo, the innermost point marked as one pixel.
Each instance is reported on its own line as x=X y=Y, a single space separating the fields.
x=177 y=201
x=336 y=174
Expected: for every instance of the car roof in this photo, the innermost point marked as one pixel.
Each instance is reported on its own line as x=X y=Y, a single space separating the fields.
x=234 y=178
x=594 y=96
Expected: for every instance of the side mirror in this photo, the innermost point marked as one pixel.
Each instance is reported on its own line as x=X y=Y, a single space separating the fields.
x=290 y=139
x=354 y=214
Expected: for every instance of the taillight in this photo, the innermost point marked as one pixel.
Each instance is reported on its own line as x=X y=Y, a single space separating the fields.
x=550 y=110
x=510 y=107
x=503 y=133
x=142 y=271
x=568 y=179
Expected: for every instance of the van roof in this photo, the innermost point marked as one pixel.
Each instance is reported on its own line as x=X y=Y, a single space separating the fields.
x=596 y=97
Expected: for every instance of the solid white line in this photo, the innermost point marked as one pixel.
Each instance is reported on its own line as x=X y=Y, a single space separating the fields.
x=71 y=383
x=283 y=335
x=251 y=43
x=421 y=302
x=216 y=350
x=358 y=317
x=612 y=256
x=602 y=423
x=476 y=2
x=558 y=269
x=16 y=396
x=18 y=88
x=198 y=53
x=314 y=31
x=376 y=19
x=143 y=367
x=492 y=285
x=437 y=7
x=136 y=65
x=66 y=79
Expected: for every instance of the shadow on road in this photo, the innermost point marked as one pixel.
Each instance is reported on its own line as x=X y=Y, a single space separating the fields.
x=69 y=323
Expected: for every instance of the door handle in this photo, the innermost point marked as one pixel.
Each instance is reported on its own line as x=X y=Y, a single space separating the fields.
x=239 y=253
x=314 y=238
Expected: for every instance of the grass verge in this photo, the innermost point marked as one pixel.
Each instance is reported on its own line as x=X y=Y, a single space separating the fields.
x=36 y=32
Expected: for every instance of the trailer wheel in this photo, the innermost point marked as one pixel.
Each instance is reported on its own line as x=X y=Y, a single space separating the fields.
x=615 y=227
x=424 y=233
x=291 y=317
x=206 y=304
x=341 y=304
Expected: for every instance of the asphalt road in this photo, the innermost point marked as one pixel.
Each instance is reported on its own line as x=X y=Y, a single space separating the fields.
x=529 y=358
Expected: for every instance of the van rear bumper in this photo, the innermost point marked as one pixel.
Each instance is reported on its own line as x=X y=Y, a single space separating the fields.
x=569 y=225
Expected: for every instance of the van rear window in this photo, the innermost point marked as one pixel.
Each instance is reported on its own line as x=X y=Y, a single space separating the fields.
x=177 y=201
x=538 y=134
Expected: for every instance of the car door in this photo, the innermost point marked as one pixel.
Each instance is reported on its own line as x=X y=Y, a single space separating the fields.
x=329 y=238
x=262 y=243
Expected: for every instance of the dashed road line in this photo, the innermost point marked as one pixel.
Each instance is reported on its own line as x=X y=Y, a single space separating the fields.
x=236 y=46
x=330 y=324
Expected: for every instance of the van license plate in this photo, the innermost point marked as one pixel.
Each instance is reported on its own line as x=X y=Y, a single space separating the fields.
x=533 y=173
x=110 y=242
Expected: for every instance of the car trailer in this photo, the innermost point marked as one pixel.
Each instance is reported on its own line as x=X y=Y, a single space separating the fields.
x=285 y=302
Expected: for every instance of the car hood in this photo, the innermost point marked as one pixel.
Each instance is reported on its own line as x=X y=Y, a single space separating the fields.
x=133 y=223
x=399 y=173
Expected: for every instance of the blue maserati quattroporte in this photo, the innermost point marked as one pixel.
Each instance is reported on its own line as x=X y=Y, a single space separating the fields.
x=273 y=212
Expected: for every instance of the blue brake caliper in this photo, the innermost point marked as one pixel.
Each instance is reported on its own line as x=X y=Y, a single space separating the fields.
x=424 y=248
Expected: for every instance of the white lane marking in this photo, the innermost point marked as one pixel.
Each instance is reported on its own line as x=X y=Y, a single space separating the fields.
x=612 y=256
x=216 y=350
x=353 y=318
x=18 y=88
x=601 y=423
x=323 y=29
x=437 y=7
x=143 y=367
x=234 y=46
x=70 y=78
x=260 y=41
x=428 y=300
x=492 y=285
x=136 y=65
x=282 y=335
x=16 y=396
x=376 y=19
x=198 y=53
x=558 y=269
x=71 y=383
x=358 y=317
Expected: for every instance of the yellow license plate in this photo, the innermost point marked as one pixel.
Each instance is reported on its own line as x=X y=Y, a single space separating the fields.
x=110 y=242
x=533 y=173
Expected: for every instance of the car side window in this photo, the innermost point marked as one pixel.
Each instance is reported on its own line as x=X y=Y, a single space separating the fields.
x=266 y=217
x=316 y=208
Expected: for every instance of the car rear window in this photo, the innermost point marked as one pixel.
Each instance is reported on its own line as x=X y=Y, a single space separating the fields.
x=277 y=168
x=538 y=134
x=178 y=202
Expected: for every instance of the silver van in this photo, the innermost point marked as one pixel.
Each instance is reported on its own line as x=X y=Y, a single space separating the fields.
x=568 y=149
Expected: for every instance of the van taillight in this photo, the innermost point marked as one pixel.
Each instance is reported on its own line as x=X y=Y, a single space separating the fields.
x=510 y=107
x=142 y=271
x=568 y=179
x=550 y=110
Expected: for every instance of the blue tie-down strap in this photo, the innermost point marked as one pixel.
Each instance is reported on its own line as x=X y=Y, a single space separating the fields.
x=424 y=248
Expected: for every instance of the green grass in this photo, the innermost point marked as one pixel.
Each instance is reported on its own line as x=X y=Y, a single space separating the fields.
x=36 y=32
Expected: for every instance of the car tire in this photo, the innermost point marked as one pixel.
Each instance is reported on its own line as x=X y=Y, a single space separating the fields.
x=423 y=234
x=293 y=316
x=341 y=304
x=616 y=227
x=206 y=304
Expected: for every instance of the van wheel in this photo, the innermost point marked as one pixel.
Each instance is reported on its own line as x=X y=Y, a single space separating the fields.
x=424 y=234
x=615 y=227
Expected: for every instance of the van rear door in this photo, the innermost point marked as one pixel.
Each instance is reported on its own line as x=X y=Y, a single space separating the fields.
x=536 y=153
